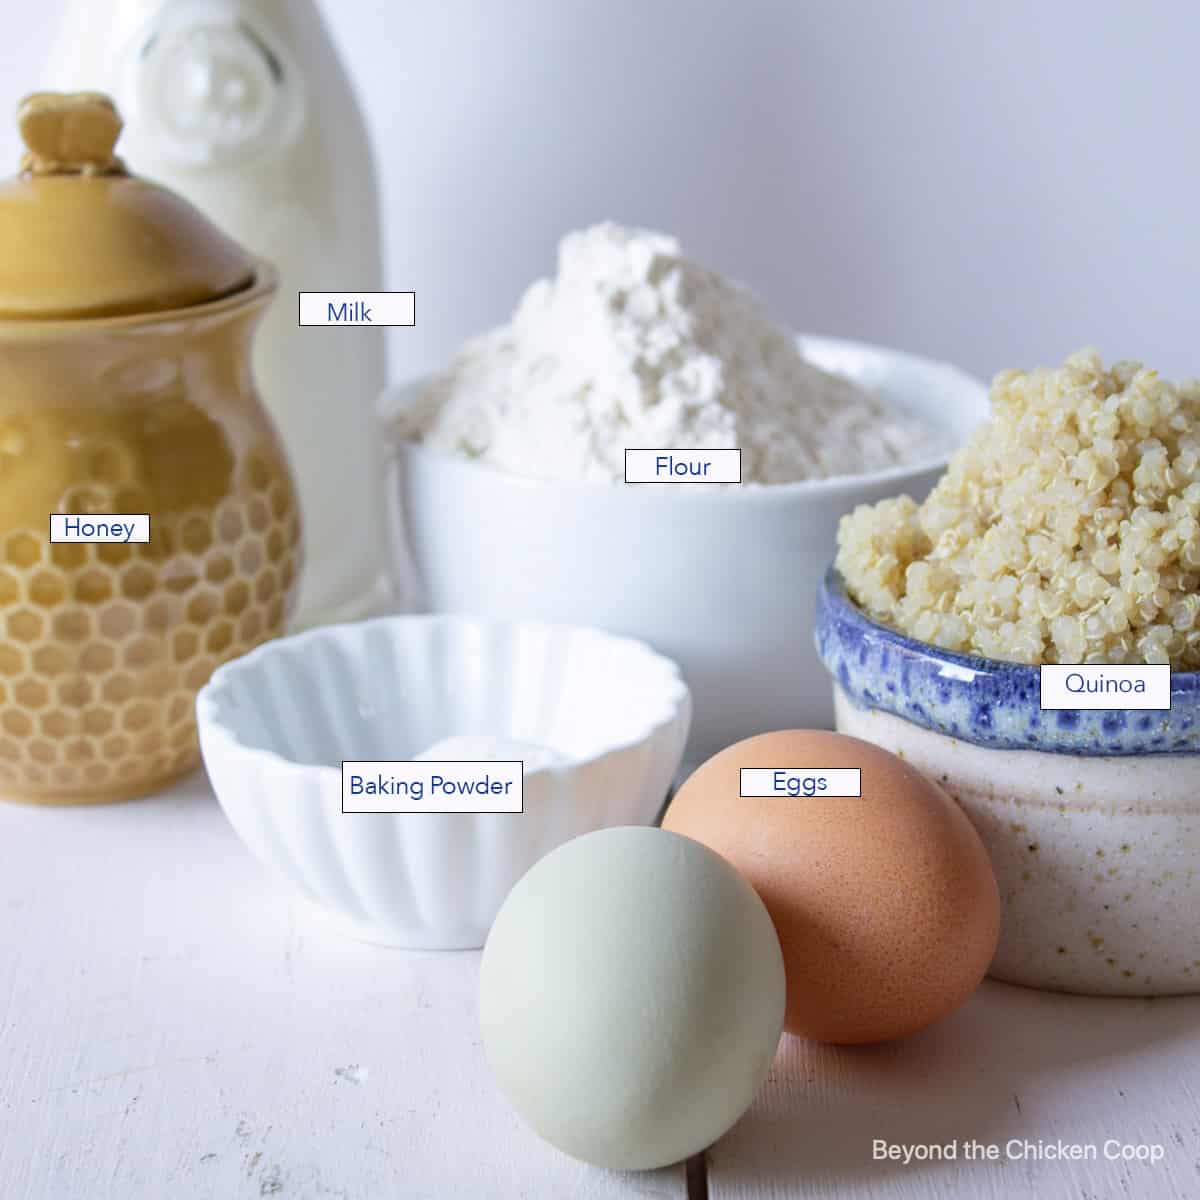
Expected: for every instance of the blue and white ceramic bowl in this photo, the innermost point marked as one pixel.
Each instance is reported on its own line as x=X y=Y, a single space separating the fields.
x=1092 y=819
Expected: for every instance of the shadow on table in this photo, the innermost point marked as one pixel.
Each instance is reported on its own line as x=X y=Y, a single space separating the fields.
x=962 y=1079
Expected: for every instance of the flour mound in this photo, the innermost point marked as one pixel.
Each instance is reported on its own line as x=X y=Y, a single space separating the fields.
x=634 y=345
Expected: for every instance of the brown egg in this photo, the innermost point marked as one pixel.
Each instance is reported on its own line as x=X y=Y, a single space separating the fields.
x=885 y=905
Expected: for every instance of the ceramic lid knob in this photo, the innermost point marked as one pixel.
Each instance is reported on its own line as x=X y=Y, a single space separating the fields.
x=69 y=134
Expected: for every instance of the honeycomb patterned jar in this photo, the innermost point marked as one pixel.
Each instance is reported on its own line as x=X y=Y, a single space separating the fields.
x=126 y=322
x=103 y=647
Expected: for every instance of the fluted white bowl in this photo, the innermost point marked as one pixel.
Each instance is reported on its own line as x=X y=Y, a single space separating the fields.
x=276 y=725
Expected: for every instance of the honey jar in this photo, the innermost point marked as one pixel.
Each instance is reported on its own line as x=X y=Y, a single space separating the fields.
x=126 y=323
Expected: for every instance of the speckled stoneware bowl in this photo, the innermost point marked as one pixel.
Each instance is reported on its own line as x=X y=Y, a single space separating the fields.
x=1092 y=819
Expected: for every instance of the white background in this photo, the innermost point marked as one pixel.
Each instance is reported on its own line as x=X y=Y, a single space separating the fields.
x=992 y=182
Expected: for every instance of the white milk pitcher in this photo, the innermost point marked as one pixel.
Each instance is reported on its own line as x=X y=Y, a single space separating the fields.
x=244 y=108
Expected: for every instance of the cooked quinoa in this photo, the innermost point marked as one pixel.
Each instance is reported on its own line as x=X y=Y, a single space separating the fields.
x=1067 y=530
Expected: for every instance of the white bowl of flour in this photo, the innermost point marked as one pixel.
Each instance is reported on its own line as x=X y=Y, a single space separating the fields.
x=511 y=484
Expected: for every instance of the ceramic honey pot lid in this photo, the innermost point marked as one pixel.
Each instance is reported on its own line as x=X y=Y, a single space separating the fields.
x=80 y=237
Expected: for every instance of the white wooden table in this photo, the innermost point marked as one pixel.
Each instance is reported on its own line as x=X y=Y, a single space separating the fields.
x=171 y=1026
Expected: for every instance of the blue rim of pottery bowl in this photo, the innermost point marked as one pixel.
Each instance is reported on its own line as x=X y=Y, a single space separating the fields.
x=982 y=700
